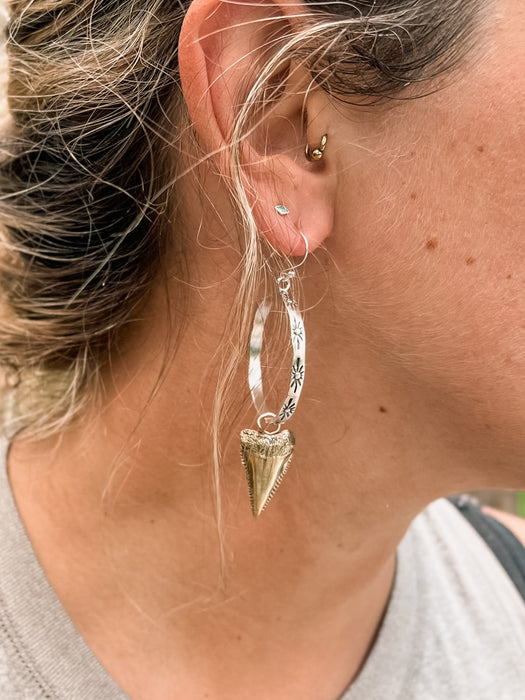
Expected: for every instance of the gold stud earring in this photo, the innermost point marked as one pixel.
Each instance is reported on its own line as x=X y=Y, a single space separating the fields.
x=316 y=153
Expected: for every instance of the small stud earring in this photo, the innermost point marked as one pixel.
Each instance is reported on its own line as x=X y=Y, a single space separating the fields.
x=318 y=152
x=281 y=209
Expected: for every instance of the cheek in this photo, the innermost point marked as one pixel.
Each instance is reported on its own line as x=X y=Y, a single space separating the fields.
x=434 y=254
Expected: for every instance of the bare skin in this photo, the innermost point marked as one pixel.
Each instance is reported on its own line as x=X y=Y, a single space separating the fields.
x=512 y=522
x=415 y=390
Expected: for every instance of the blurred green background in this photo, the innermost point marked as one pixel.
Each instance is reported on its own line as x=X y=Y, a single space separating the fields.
x=511 y=501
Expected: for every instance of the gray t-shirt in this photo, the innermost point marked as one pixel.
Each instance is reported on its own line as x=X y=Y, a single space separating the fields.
x=454 y=628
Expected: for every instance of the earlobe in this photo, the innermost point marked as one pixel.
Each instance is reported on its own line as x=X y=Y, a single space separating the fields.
x=307 y=194
x=223 y=48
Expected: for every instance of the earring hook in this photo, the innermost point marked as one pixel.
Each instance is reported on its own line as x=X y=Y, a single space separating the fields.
x=286 y=275
x=294 y=267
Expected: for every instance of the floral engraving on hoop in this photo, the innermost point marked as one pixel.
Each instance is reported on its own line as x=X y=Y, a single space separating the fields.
x=287 y=409
x=297 y=374
x=288 y=300
x=297 y=333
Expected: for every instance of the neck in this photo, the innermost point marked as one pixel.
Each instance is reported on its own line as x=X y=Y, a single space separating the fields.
x=121 y=512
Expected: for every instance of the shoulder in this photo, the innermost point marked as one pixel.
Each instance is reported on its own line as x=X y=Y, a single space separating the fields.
x=512 y=522
x=448 y=588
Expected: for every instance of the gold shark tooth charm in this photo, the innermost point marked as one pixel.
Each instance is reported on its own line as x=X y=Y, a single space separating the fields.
x=266 y=458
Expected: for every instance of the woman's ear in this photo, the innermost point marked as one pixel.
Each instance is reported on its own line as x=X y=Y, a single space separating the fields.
x=223 y=49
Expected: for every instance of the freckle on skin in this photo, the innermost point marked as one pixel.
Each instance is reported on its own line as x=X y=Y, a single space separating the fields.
x=382 y=409
x=413 y=195
x=470 y=261
x=481 y=149
x=509 y=277
x=431 y=244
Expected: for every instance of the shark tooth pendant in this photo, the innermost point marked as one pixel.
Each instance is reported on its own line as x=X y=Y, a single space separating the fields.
x=266 y=458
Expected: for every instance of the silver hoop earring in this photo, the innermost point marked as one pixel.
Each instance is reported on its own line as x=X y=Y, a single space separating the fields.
x=266 y=453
